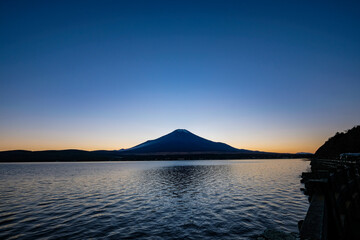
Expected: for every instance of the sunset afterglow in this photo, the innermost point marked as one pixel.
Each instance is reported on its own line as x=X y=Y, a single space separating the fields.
x=110 y=75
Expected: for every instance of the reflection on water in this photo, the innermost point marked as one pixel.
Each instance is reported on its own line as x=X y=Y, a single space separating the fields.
x=150 y=200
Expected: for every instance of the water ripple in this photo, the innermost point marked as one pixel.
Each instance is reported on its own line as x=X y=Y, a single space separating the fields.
x=150 y=200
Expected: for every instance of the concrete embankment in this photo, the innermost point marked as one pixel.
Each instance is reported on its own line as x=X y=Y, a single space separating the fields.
x=333 y=187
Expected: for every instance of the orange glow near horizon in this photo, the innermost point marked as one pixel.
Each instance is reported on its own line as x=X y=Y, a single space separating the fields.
x=274 y=139
x=39 y=145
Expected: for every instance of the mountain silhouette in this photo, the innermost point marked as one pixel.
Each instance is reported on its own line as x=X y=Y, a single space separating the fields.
x=179 y=144
x=183 y=141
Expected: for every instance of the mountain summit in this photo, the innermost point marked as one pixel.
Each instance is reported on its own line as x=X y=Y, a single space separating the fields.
x=183 y=141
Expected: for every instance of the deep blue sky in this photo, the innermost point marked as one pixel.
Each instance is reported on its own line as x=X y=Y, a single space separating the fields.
x=267 y=75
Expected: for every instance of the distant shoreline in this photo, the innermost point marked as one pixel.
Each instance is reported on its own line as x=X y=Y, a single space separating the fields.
x=87 y=156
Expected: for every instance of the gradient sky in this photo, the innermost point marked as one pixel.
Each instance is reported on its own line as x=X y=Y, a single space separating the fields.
x=278 y=76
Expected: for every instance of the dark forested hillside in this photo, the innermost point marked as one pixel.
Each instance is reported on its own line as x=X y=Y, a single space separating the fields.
x=344 y=142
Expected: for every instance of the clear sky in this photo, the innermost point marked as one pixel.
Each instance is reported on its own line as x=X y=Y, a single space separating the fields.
x=278 y=76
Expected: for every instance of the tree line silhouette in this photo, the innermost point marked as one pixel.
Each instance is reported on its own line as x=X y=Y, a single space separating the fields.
x=342 y=142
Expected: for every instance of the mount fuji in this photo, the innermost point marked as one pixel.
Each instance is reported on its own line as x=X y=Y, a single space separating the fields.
x=183 y=141
x=179 y=144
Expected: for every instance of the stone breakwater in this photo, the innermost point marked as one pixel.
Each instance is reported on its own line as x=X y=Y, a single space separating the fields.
x=333 y=187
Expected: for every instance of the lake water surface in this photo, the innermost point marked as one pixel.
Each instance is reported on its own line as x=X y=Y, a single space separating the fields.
x=206 y=199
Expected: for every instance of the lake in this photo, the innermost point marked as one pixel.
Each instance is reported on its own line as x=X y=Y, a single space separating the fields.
x=205 y=199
